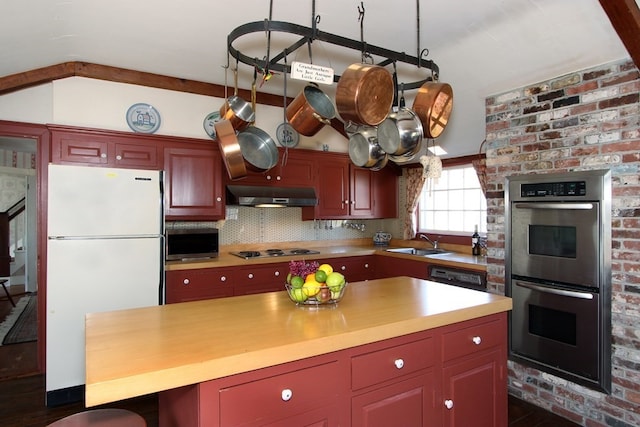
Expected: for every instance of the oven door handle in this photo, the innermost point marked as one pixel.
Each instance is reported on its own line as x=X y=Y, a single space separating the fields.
x=563 y=292
x=572 y=206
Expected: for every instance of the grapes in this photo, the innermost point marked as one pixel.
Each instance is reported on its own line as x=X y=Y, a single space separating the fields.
x=302 y=268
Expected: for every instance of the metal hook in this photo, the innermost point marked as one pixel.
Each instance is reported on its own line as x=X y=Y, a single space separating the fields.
x=361 y=10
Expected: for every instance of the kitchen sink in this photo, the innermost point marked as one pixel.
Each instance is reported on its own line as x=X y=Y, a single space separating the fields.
x=417 y=251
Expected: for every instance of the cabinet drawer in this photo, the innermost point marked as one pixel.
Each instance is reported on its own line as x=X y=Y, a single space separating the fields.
x=474 y=338
x=191 y=285
x=390 y=363
x=279 y=396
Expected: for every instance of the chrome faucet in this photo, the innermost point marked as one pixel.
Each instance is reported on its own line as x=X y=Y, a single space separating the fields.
x=433 y=243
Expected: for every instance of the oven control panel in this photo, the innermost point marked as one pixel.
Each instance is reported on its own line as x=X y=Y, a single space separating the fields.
x=562 y=189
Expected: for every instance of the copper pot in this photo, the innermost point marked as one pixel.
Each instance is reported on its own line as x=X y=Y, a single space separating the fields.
x=230 y=149
x=310 y=111
x=238 y=112
x=364 y=94
x=433 y=105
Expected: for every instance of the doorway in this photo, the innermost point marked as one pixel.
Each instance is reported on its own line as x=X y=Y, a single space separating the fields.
x=21 y=152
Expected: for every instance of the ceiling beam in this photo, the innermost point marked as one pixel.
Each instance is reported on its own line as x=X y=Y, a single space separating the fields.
x=625 y=18
x=15 y=82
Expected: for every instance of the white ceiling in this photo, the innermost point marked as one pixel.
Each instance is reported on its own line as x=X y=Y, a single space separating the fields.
x=482 y=47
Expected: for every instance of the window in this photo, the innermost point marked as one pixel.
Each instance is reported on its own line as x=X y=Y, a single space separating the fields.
x=454 y=204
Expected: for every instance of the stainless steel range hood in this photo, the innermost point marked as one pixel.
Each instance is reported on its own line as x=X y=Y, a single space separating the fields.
x=250 y=195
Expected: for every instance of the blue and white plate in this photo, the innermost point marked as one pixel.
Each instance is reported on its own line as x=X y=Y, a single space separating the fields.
x=209 y=123
x=143 y=118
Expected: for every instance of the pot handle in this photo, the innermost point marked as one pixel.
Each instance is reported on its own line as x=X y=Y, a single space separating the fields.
x=319 y=118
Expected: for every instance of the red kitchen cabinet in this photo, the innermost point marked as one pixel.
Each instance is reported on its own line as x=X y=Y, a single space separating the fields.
x=255 y=279
x=346 y=191
x=385 y=193
x=410 y=380
x=354 y=269
x=194 y=189
x=103 y=148
x=387 y=266
x=198 y=284
x=409 y=402
x=474 y=373
x=297 y=171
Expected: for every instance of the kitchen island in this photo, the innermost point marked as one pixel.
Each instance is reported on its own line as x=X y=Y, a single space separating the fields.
x=193 y=351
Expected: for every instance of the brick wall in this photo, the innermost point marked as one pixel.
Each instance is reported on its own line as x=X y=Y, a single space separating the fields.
x=589 y=119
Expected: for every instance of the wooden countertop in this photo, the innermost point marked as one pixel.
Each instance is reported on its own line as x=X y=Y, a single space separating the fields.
x=225 y=259
x=135 y=352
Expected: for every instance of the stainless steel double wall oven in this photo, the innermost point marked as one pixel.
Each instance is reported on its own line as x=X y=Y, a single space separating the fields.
x=558 y=273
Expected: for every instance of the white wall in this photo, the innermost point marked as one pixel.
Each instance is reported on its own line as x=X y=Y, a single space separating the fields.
x=84 y=102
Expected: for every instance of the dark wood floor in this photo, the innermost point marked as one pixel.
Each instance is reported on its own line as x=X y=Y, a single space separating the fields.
x=22 y=391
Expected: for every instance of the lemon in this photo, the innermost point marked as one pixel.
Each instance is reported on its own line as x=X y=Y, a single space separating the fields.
x=321 y=276
x=311 y=288
x=326 y=268
x=297 y=282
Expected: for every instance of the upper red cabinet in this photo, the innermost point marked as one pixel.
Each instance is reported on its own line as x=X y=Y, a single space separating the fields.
x=193 y=183
x=101 y=148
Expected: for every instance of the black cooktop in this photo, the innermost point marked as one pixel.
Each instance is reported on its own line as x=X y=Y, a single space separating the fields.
x=269 y=253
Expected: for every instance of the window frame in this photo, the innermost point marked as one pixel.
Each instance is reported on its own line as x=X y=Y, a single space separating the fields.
x=454 y=237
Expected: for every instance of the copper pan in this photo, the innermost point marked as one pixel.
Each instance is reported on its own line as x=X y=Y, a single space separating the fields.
x=230 y=149
x=310 y=111
x=236 y=110
x=364 y=94
x=433 y=105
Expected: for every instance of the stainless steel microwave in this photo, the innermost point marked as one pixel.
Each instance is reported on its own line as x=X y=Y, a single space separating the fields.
x=189 y=244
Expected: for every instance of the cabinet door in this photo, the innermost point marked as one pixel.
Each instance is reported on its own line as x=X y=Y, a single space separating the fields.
x=297 y=171
x=408 y=403
x=474 y=393
x=136 y=156
x=257 y=279
x=80 y=149
x=193 y=184
x=354 y=269
x=361 y=193
x=306 y=395
x=387 y=266
x=385 y=193
x=332 y=178
x=198 y=284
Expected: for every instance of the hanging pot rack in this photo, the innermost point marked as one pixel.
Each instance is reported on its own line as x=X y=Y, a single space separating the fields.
x=311 y=34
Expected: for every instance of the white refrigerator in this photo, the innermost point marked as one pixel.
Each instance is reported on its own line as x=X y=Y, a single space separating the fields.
x=105 y=252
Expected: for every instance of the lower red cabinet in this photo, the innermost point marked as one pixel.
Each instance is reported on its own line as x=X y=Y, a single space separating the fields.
x=407 y=403
x=278 y=400
x=198 y=284
x=430 y=378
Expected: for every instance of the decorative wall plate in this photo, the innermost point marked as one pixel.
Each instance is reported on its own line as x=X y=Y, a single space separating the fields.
x=143 y=118
x=287 y=136
x=209 y=123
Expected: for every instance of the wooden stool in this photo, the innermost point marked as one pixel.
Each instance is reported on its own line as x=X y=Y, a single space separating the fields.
x=102 y=418
x=6 y=291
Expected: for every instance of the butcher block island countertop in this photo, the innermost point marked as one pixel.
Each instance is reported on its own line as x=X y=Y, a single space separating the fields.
x=139 y=351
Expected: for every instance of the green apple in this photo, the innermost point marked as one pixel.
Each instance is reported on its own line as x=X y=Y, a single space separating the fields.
x=335 y=281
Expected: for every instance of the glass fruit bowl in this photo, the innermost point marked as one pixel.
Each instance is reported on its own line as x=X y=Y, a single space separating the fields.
x=316 y=295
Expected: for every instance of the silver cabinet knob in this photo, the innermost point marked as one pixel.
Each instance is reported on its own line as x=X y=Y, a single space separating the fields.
x=218 y=199
x=366 y=266
x=286 y=394
x=103 y=155
x=250 y=275
x=448 y=404
x=277 y=273
x=223 y=278
x=399 y=363
x=185 y=281
x=343 y=268
x=118 y=157
x=476 y=340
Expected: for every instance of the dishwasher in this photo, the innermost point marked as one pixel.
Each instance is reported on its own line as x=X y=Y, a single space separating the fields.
x=470 y=279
